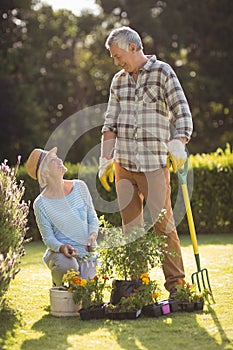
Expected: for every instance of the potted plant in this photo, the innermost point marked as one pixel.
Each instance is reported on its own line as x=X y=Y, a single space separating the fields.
x=88 y=292
x=199 y=298
x=62 y=298
x=129 y=307
x=142 y=298
x=188 y=297
x=125 y=257
x=149 y=293
x=184 y=294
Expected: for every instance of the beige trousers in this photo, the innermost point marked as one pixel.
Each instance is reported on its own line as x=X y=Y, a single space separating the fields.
x=132 y=188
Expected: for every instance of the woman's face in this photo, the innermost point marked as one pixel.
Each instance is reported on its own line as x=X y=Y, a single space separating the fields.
x=55 y=165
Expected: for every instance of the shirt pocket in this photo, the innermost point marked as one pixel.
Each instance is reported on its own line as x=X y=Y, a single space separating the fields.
x=150 y=96
x=81 y=212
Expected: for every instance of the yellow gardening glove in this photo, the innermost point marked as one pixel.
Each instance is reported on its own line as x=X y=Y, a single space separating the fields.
x=106 y=172
x=176 y=154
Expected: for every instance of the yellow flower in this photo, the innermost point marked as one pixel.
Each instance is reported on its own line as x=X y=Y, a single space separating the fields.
x=83 y=283
x=145 y=280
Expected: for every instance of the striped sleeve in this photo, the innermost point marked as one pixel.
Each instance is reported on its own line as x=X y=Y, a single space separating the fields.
x=45 y=227
x=92 y=219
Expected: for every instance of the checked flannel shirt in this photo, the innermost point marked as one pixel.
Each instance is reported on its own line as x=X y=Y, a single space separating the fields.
x=141 y=115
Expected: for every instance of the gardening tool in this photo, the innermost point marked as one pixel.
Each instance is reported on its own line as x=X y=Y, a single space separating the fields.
x=201 y=275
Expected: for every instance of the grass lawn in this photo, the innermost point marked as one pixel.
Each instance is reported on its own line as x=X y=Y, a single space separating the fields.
x=25 y=323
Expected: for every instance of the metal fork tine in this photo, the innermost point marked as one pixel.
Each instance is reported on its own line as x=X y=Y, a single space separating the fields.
x=202 y=277
x=195 y=280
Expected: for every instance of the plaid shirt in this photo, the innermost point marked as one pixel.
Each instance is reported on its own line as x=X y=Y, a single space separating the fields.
x=141 y=114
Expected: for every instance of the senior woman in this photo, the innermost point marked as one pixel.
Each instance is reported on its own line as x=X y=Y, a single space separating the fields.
x=65 y=216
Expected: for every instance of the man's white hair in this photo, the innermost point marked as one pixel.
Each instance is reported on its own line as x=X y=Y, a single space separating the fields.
x=124 y=36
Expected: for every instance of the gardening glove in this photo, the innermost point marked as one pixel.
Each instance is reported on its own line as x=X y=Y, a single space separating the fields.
x=91 y=242
x=176 y=154
x=106 y=172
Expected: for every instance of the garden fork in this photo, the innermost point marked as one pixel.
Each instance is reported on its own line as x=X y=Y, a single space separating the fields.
x=201 y=275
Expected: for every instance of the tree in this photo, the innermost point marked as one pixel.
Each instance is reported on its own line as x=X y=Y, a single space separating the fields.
x=196 y=39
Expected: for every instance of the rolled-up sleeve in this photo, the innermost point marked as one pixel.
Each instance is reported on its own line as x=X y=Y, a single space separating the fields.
x=181 y=116
x=112 y=112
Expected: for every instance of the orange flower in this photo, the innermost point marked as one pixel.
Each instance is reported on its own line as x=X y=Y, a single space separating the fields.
x=76 y=280
x=155 y=295
x=105 y=277
x=136 y=291
x=180 y=282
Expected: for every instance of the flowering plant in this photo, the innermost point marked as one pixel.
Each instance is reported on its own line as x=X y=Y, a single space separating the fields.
x=147 y=293
x=148 y=290
x=89 y=291
x=188 y=292
x=184 y=291
x=130 y=302
x=13 y=226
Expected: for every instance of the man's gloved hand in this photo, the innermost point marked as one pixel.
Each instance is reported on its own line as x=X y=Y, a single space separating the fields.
x=176 y=154
x=106 y=172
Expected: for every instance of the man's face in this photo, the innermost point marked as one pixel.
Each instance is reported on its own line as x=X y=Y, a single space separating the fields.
x=122 y=58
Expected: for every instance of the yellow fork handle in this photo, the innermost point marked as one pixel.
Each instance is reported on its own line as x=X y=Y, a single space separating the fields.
x=190 y=218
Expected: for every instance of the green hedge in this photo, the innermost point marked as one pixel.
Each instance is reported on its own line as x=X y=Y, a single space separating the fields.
x=210 y=176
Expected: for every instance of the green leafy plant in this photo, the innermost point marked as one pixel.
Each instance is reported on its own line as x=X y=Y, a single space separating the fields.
x=130 y=302
x=146 y=293
x=127 y=256
x=186 y=292
x=89 y=292
x=13 y=226
x=149 y=290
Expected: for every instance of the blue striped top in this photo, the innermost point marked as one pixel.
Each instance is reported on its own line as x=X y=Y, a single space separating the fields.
x=67 y=220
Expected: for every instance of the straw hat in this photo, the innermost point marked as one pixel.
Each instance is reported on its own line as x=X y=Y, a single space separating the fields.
x=35 y=163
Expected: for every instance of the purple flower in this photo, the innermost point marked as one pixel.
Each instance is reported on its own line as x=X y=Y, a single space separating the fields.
x=19 y=160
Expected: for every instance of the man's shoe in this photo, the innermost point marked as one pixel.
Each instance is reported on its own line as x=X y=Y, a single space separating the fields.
x=172 y=293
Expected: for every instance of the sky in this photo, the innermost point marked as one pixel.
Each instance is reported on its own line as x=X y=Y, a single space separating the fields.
x=76 y=6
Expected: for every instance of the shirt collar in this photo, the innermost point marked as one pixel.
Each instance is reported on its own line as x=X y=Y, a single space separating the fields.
x=150 y=62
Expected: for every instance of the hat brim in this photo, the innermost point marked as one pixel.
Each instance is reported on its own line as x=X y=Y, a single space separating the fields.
x=52 y=151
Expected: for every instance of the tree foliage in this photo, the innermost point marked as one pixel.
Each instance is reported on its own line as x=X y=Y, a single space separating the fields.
x=55 y=64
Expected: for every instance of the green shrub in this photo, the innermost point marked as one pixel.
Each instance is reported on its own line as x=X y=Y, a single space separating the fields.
x=212 y=195
x=211 y=199
x=13 y=221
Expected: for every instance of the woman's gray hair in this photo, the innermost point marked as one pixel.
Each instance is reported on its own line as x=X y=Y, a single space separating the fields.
x=123 y=37
x=44 y=169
